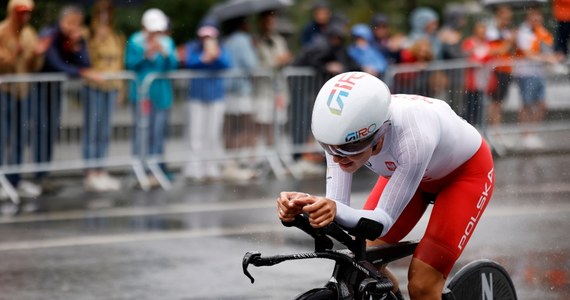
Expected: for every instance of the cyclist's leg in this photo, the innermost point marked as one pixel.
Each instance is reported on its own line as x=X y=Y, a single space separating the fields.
x=457 y=210
x=404 y=224
x=424 y=281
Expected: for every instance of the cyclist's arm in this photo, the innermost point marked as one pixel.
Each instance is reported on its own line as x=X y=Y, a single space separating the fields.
x=339 y=183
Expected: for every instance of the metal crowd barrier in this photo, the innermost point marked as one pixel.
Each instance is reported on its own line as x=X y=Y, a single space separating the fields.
x=42 y=122
x=243 y=111
x=449 y=80
x=43 y=117
x=444 y=80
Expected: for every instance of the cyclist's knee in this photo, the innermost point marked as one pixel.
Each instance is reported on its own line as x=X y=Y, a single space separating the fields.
x=419 y=289
x=424 y=282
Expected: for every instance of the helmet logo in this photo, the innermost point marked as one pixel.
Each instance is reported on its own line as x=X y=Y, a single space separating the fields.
x=361 y=133
x=341 y=90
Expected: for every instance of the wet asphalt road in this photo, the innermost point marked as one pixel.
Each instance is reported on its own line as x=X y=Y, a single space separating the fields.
x=188 y=243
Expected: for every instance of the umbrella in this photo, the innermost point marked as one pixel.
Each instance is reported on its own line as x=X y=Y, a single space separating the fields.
x=513 y=3
x=242 y=8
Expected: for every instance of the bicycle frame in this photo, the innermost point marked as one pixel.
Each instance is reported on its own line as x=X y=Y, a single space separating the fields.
x=355 y=272
x=356 y=275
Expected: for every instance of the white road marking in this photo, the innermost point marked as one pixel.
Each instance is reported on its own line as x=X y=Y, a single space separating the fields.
x=264 y=203
x=492 y=211
x=120 y=212
x=217 y=232
x=138 y=237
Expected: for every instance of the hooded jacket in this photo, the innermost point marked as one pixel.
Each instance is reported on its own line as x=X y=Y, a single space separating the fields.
x=419 y=19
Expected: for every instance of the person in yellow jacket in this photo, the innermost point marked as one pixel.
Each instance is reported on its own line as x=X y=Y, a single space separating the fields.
x=106 y=50
x=20 y=53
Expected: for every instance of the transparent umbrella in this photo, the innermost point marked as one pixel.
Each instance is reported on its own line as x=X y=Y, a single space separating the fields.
x=242 y=8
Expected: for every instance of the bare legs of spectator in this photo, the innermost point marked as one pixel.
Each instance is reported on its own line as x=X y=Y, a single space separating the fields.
x=266 y=133
x=239 y=136
x=495 y=119
x=495 y=113
x=529 y=116
x=239 y=131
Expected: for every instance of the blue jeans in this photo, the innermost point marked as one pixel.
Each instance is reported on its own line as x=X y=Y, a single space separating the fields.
x=97 y=109
x=532 y=89
x=45 y=111
x=13 y=132
x=155 y=134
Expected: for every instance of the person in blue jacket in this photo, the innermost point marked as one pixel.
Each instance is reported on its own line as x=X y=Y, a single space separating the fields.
x=366 y=56
x=152 y=51
x=205 y=103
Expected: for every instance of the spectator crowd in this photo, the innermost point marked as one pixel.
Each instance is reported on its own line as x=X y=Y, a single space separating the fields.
x=239 y=113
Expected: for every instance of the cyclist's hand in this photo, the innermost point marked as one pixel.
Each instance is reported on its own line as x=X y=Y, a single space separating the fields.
x=287 y=209
x=321 y=210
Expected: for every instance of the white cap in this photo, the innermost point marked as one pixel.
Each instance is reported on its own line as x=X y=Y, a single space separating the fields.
x=154 y=20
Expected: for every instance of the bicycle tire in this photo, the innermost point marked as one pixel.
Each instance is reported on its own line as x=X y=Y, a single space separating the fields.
x=482 y=280
x=317 y=294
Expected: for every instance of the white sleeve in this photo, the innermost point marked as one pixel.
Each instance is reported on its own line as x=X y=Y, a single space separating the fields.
x=339 y=183
x=524 y=39
x=416 y=146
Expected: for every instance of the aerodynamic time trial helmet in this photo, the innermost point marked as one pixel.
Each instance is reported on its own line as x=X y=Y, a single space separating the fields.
x=350 y=113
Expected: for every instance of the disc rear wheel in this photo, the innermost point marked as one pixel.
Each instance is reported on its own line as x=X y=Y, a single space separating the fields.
x=482 y=279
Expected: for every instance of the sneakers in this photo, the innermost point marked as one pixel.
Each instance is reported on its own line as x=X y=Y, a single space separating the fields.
x=308 y=168
x=532 y=142
x=101 y=183
x=111 y=183
x=95 y=183
x=232 y=172
x=28 y=189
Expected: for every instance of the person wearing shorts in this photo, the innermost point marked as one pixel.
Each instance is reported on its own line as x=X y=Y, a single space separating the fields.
x=501 y=39
x=421 y=150
x=534 y=44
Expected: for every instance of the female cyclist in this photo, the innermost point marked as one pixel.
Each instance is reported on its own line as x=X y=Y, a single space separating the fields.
x=423 y=153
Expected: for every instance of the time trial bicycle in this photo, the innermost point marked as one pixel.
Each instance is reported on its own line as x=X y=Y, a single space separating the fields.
x=356 y=276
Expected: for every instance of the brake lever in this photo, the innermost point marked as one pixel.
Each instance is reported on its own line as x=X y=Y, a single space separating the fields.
x=248 y=259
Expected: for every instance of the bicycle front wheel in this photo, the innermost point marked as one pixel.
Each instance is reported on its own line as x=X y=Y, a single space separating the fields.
x=482 y=279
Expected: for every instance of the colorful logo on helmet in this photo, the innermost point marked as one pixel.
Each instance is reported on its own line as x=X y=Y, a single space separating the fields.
x=361 y=133
x=341 y=90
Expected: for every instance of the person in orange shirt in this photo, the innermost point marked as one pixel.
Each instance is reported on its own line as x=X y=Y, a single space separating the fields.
x=501 y=39
x=534 y=47
x=561 y=12
x=477 y=49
